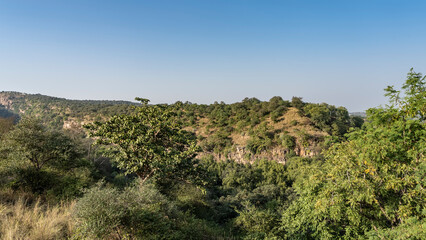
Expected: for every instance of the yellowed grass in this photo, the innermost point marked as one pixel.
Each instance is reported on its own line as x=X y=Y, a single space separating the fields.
x=240 y=139
x=284 y=124
x=303 y=123
x=19 y=220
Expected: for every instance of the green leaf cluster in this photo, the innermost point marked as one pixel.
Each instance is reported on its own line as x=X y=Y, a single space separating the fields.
x=373 y=183
x=149 y=142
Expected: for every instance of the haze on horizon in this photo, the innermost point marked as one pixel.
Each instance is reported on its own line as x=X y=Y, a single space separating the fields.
x=339 y=52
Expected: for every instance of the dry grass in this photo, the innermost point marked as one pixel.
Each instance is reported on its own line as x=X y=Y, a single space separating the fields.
x=284 y=124
x=20 y=220
x=303 y=123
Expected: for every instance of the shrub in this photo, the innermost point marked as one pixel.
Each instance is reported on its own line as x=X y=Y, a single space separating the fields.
x=137 y=212
x=288 y=142
x=107 y=212
x=260 y=139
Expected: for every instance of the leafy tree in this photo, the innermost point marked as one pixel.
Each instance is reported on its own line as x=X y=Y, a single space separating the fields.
x=413 y=103
x=287 y=141
x=374 y=182
x=6 y=125
x=31 y=143
x=334 y=120
x=249 y=195
x=261 y=138
x=217 y=142
x=149 y=142
x=297 y=102
x=40 y=159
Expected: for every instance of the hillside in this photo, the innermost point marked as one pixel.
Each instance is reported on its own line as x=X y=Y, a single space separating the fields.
x=61 y=112
x=242 y=131
x=272 y=169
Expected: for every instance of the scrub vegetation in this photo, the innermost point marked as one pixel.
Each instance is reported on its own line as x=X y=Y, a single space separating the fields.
x=254 y=169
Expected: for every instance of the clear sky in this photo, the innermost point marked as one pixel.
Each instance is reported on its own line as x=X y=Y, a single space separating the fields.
x=340 y=52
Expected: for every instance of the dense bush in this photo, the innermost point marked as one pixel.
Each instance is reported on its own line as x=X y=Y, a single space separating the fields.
x=261 y=139
x=137 y=212
x=42 y=161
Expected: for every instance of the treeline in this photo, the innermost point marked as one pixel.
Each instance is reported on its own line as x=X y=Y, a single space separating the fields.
x=251 y=112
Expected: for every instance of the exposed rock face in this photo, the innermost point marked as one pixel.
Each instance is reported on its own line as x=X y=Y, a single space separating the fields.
x=75 y=124
x=71 y=125
x=307 y=141
x=243 y=155
x=5 y=101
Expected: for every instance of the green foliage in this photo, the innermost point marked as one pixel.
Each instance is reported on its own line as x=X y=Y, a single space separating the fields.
x=367 y=184
x=137 y=212
x=248 y=195
x=41 y=160
x=277 y=107
x=6 y=125
x=31 y=143
x=5 y=113
x=297 y=102
x=149 y=142
x=287 y=141
x=219 y=122
x=103 y=212
x=191 y=198
x=373 y=182
x=261 y=138
x=293 y=123
x=413 y=228
x=54 y=111
x=335 y=121
x=413 y=102
x=217 y=142
x=258 y=221
x=356 y=121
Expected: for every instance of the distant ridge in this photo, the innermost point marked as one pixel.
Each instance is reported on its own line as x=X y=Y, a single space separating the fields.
x=13 y=94
x=61 y=112
x=358 y=114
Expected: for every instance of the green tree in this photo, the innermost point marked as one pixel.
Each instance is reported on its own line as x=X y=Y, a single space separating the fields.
x=372 y=183
x=149 y=142
x=413 y=102
x=261 y=138
x=31 y=143
x=6 y=125
x=41 y=159
x=334 y=120
x=297 y=102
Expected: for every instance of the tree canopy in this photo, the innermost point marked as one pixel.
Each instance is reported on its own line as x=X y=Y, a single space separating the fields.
x=149 y=142
x=373 y=183
x=33 y=144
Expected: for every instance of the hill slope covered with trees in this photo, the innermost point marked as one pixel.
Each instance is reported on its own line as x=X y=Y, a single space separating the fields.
x=242 y=131
x=249 y=170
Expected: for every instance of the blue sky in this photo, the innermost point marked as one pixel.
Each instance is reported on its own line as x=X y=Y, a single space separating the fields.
x=339 y=52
